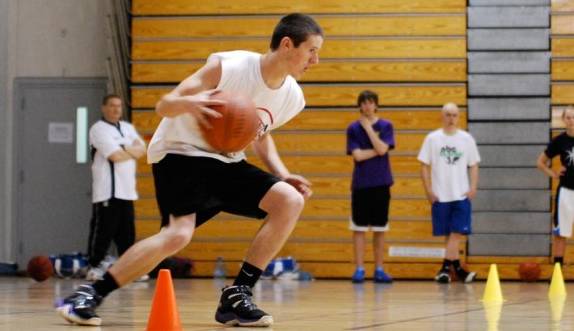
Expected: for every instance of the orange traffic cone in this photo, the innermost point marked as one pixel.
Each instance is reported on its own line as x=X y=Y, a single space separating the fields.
x=164 y=315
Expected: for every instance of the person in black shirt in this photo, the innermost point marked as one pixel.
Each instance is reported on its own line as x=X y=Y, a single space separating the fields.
x=562 y=145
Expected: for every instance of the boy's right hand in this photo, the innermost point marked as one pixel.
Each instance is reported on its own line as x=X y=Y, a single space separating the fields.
x=198 y=105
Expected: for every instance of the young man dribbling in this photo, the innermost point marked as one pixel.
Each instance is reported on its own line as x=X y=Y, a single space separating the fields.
x=194 y=182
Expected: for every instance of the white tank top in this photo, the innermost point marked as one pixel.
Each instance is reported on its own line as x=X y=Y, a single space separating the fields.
x=240 y=73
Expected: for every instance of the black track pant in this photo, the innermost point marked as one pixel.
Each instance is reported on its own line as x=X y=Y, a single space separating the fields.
x=112 y=220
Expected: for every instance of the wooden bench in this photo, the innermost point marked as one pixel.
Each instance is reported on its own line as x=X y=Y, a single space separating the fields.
x=371 y=48
x=330 y=119
x=223 y=7
x=333 y=26
x=345 y=70
x=412 y=95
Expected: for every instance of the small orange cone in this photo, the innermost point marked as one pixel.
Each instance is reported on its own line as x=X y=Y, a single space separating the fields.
x=164 y=315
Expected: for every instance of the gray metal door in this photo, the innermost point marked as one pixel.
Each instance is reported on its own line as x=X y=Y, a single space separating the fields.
x=53 y=185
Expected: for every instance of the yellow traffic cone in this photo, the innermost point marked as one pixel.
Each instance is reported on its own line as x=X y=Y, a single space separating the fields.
x=492 y=291
x=556 y=308
x=492 y=311
x=557 y=288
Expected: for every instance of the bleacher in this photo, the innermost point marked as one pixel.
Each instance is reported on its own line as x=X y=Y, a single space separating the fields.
x=413 y=53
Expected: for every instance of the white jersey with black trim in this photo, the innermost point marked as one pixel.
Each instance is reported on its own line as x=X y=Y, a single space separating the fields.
x=112 y=179
x=240 y=73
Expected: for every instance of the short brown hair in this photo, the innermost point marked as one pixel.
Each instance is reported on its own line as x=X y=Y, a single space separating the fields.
x=108 y=97
x=298 y=27
x=368 y=95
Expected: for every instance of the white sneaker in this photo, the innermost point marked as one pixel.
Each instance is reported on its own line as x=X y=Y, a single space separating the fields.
x=95 y=273
x=107 y=262
x=143 y=278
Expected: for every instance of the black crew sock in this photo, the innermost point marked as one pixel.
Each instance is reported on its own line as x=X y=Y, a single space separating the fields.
x=106 y=285
x=446 y=265
x=248 y=275
x=559 y=259
x=456 y=265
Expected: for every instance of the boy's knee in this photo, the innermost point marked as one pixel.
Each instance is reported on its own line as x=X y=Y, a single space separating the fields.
x=177 y=239
x=294 y=201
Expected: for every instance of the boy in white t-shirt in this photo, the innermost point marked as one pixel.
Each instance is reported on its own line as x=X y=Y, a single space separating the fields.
x=194 y=182
x=446 y=156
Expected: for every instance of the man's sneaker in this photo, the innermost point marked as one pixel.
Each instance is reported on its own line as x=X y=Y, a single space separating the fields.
x=443 y=276
x=142 y=279
x=382 y=277
x=80 y=307
x=96 y=273
x=465 y=276
x=236 y=308
x=268 y=272
x=358 y=276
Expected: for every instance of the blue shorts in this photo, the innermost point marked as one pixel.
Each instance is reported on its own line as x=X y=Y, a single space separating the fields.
x=448 y=217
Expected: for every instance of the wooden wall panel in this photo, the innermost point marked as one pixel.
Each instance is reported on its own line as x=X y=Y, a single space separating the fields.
x=562 y=93
x=339 y=186
x=314 y=119
x=345 y=70
x=440 y=48
x=304 y=251
x=333 y=26
x=562 y=47
x=323 y=164
x=411 y=52
x=319 y=208
x=412 y=95
x=311 y=142
x=423 y=270
x=335 y=230
x=389 y=95
x=562 y=24
x=221 y=7
x=563 y=70
x=562 y=6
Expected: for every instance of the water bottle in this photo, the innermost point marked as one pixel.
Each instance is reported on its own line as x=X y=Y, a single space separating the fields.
x=219 y=271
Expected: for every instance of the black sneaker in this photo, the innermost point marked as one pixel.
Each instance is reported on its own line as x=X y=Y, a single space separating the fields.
x=443 y=276
x=80 y=307
x=236 y=309
x=465 y=276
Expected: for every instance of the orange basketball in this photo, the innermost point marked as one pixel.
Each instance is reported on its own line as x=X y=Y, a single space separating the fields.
x=529 y=271
x=40 y=268
x=238 y=126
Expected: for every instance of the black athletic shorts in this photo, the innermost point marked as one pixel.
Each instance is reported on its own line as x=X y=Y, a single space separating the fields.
x=206 y=186
x=370 y=207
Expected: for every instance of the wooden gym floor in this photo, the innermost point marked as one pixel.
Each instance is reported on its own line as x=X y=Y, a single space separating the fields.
x=316 y=305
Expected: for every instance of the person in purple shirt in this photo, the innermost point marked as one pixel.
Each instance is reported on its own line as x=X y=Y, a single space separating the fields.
x=369 y=140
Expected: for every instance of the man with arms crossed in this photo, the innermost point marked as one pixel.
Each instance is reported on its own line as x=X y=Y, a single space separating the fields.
x=116 y=146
